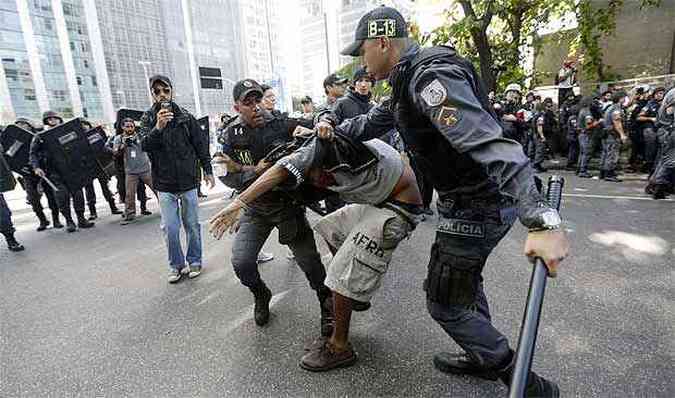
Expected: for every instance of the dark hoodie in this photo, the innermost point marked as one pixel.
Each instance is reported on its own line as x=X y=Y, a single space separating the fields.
x=352 y=104
x=174 y=150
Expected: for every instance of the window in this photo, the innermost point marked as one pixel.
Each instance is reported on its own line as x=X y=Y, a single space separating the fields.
x=29 y=94
x=85 y=63
x=93 y=81
x=79 y=80
x=84 y=46
x=72 y=46
x=68 y=9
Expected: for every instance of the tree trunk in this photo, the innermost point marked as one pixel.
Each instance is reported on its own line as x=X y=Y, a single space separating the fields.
x=480 y=39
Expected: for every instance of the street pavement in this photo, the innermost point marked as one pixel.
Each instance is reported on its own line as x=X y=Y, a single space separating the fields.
x=91 y=313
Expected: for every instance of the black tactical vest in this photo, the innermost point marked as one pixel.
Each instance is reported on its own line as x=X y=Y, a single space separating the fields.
x=449 y=170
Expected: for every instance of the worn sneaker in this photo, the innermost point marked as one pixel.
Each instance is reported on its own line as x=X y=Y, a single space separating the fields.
x=264 y=257
x=325 y=358
x=194 y=272
x=174 y=276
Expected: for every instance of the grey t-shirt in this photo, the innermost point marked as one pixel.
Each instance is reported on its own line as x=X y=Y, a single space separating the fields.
x=135 y=160
x=370 y=185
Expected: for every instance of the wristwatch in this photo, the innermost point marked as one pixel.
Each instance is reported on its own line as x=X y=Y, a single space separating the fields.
x=549 y=220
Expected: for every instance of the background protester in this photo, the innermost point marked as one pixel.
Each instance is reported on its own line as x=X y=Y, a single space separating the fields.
x=307 y=107
x=334 y=86
x=174 y=142
x=566 y=80
x=136 y=167
x=357 y=100
x=120 y=175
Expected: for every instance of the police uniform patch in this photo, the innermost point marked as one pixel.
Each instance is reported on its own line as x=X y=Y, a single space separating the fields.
x=448 y=116
x=247 y=84
x=434 y=93
x=453 y=226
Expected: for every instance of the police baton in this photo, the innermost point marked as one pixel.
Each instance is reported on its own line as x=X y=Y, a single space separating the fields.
x=535 y=299
x=51 y=184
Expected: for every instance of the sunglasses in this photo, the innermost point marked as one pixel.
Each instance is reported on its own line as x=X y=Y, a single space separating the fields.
x=164 y=90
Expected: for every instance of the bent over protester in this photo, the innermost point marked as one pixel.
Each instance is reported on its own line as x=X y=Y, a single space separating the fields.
x=384 y=208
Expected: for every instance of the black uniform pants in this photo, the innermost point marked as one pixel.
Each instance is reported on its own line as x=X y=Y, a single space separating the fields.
x=465 y=237
x=32 y=185
x=63 y=198
x=91 y=193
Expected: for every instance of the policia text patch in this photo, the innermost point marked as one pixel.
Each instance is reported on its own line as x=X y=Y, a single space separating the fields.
x=453 y=226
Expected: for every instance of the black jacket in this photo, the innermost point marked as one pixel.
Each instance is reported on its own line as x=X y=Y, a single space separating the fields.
x=7 y=181
x=352 y=104
x=174 y=150
x=442 y=111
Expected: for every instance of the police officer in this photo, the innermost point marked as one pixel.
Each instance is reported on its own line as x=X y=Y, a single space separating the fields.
x=42 y=162
x=247 y=141
x=7 y=183
x=647 y=119
x=446 y=122
x=513 y=127
x=537 y=142
x=90 y=192
x=334 y=86
x=614 y=135
x=572 y=135
x=589 y=122
x=636 y=134
x=663 y=178
x=35 y=188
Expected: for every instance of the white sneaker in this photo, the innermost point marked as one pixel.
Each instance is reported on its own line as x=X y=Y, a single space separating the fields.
x=174 y=276
x=264 y=257
x=194 y=272
x=185 y=270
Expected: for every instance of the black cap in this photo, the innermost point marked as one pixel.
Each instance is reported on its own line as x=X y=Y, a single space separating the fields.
x=160 y=78
x=334 y=79
x=360 y=73
x=379 y=22
x=244 y=88
x=306 y=100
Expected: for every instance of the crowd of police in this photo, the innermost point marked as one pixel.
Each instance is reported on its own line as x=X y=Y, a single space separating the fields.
x=370 y=170
x=604 y=125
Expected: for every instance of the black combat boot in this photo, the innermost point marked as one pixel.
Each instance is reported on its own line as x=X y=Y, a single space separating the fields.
x=55 y=220
x=83 y=223
x=44 y=223
x=113 y=208
x=12 y=244
x=262 y=296
x=70 y=225
x=659 y=192
x=462 y=364
x=327 y=316
x=537 y=386
x=92 y=213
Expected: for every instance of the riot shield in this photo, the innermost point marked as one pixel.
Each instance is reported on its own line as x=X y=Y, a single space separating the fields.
x=68 y=150
x=16 y=142
x=124 y=113
x=204 y=127
x=104 y=159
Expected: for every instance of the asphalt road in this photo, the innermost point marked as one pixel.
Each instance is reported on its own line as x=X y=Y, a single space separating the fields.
x=91 y=314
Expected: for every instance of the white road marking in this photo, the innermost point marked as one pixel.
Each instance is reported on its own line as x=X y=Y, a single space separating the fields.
x=578 y=195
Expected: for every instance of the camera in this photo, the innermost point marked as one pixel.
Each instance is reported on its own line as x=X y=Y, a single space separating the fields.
x=165 y=105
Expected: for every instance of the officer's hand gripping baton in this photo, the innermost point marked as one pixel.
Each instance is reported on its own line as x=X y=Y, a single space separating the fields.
x=535 y=299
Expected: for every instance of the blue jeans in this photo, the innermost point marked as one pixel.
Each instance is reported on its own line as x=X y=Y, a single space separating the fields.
x=177 y=209
x=6 y=226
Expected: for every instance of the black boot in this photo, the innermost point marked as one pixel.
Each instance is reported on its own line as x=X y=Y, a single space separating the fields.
x=462 y=364
x=12 y=244
x=602 y=174
x=44 y=223
x=262 y=296
x=659 y=192
x=537 y=386
x=83 y=223
x=144 y=210
x=92 y=213
x=327 y=316
x=55 y=220
x=113 y=208
x=70 y=225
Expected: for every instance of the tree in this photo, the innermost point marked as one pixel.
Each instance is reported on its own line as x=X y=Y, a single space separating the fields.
x=494 y=33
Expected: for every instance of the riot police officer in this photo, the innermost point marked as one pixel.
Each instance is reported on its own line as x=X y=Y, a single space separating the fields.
x=42 y=162
x=513 y=126
x=444 y=117
x=662 y=180
x=588 y=122
x=647 y=119
x=246 y=143
x=7 y=183
x=615 y=135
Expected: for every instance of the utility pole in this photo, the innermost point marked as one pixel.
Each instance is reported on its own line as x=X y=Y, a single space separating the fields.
x=145 y=65
x=325 y=29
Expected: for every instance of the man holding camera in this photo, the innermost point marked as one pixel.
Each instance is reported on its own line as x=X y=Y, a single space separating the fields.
x=136 y=166
x=174 y=142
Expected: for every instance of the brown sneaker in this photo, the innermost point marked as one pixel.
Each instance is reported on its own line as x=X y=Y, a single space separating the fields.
x=324 y=358
x=315 y=344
